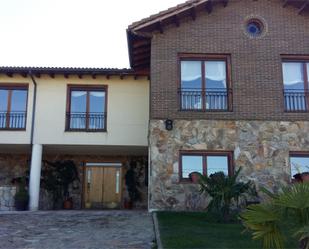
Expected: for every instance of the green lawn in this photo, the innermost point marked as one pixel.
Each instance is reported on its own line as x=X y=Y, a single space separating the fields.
x=197 y=230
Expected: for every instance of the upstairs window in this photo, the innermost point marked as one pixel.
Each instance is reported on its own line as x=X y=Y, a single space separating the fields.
x=13 y=106
x=86 y=109
x=206 y=163
x=205 y=83
x=295 y=80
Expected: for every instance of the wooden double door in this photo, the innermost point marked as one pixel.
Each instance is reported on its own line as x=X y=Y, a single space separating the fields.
x=102 y=185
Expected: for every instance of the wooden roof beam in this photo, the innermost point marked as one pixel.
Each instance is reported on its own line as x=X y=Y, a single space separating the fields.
x=209 y=6
x=160 y=27
x=302 y=8
x=142 y=64
x=285 y=3
x=141 y=43
x=141 y=56
x=145 y=59
x=24 y=75
x=193 y=13
x=225 y=2
x=52 y=75
x=176 y=20
x=9 y=74
x=142 y=50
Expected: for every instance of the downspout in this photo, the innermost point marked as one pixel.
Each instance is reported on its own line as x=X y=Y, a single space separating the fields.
x=33 y=107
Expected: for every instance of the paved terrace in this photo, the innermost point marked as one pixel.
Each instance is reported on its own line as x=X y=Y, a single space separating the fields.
x=76 y=230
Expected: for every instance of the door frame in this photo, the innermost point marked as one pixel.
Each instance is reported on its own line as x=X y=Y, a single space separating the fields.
x=119 y=163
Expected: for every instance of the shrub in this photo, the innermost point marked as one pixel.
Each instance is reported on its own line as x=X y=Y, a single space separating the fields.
x=287 y=210
x=225 y=190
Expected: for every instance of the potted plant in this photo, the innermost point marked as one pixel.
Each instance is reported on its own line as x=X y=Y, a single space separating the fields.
x=57 y=177
x=127 y=204
x=194 y=176
x=132 y=186
x=297 y=177
x=21 y=196
x=305 y=176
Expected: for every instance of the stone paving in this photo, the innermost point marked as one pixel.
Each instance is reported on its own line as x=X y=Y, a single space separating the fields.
x=76 y=230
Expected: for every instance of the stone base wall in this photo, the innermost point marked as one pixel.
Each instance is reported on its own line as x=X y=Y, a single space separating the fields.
x=12 y=166
x=261 y=149
x=7 y=194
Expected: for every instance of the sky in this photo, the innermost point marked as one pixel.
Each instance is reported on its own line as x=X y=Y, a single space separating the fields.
x=70 y=33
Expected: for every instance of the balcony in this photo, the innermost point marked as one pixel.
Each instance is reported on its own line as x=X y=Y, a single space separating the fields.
x=213 y=99
x=296 y=100
x=90 y=122
x=13 y=120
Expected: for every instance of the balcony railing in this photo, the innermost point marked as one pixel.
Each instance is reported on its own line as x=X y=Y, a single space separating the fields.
x=208 y=99
x=295 y=100
x=80 y=121
x=13 y=120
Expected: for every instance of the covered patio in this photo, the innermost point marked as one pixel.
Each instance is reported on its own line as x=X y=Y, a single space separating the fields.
x=101 y=175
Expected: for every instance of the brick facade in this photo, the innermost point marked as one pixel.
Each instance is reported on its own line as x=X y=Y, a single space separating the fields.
x=256 y=62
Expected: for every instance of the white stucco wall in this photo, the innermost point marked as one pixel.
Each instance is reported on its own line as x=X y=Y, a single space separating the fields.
x=18 y=137
x=127 y=112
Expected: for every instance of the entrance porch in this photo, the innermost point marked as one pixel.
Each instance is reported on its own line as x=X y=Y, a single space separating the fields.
x=101 y=172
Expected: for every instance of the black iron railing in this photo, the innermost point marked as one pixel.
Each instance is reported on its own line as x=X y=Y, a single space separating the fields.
x=295 y=100
x=208 y=99
x=80 y=121
x=13 y=120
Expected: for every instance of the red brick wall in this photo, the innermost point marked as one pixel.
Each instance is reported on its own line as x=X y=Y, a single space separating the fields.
x=256 y=63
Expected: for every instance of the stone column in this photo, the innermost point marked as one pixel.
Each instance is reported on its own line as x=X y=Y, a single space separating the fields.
x=35 y=175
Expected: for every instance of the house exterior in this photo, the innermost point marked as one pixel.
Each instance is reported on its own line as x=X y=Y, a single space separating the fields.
x=233 y=78
x=228 y=88
x=98 y=118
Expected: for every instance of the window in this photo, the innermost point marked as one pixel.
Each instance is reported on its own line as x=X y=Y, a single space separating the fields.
x=13 y=106
x=205 y=83
x=86 y=109
x=254 y=27
x=206 y=163
x=299 y=163
x=295 y=80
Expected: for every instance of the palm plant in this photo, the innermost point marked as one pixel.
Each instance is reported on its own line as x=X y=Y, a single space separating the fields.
x=225 y=190
x=287 y=209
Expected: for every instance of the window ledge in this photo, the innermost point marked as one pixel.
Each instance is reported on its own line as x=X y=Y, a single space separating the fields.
x=86 y=131
x=12 y=129
x=205 y=111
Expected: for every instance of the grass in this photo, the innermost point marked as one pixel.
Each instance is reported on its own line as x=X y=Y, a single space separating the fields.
x=186 y=230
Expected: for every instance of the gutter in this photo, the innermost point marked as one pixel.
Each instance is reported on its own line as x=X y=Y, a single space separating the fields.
x=33 y=107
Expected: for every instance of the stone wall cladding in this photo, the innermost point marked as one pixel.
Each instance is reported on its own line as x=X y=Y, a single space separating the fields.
x=261 y=149
x=7 y=194
x=256 y=63
x=12 y=166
